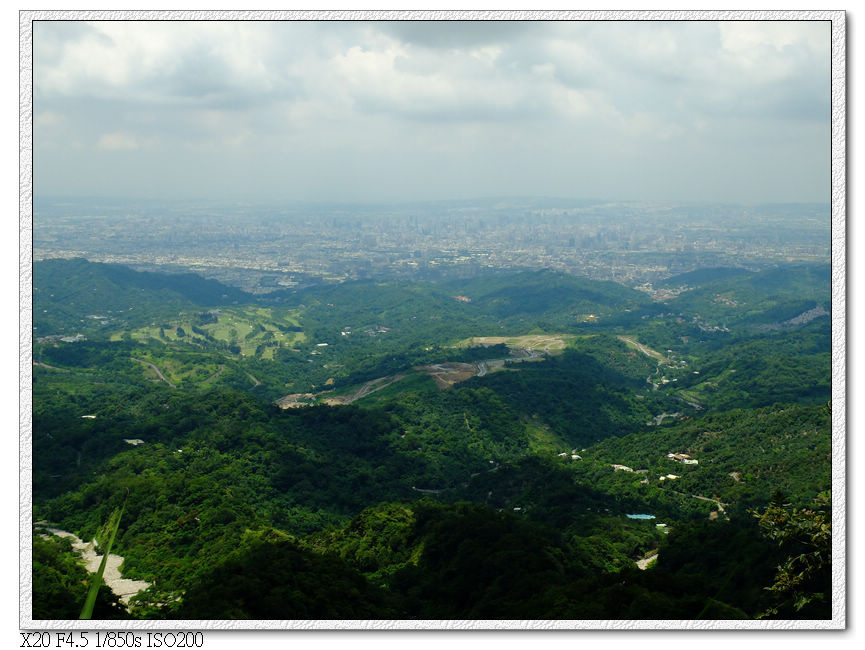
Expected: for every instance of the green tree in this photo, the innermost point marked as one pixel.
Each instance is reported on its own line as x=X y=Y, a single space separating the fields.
x=803 y=579
x=60 y=583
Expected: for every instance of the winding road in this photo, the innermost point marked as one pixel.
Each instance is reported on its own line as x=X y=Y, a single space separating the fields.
x=217 y=373
x=367 y=388
x=702 y=498
x=453 y=372
x=155 y=369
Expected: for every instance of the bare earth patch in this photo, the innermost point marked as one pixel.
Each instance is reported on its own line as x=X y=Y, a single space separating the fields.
x=295 y=400
x=123 y=587
x=544 y=342
x=643 y=564
x=447 y=374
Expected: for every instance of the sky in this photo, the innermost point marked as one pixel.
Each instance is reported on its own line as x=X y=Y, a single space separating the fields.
x=404 y=111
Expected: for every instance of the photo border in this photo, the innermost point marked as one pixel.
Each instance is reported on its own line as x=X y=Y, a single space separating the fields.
x=839 y=320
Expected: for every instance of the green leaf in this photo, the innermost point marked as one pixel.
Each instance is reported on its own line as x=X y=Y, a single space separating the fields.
x=113 y=525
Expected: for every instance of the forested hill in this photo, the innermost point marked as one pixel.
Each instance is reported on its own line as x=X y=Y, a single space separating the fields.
x=546 y=292
x=522 y=444
x=767 y=299
x=699 y=277
x=65 y=291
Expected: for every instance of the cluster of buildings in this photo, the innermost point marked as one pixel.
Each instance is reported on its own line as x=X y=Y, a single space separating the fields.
x=678 y=457
x=280 y=246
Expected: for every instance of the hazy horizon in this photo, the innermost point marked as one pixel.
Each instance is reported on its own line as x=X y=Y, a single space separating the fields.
x=269 y=203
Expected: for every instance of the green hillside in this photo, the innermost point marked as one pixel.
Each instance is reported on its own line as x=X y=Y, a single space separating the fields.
x=489 y=448
x=74 y=295
x=768 y=298
x=701 y=277
x=541 y=297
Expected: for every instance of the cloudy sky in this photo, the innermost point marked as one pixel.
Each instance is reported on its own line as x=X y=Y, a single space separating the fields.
x=392 y=111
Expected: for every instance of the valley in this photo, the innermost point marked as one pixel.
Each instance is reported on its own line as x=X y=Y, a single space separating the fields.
x=374 y=321
x=384 y=429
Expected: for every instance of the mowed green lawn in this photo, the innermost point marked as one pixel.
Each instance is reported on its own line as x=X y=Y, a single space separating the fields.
x=246 y=327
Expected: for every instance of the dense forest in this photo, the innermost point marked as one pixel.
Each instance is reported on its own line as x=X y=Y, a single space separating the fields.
x=520 y=445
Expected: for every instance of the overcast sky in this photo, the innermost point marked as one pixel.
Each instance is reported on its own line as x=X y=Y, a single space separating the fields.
x=359 y=111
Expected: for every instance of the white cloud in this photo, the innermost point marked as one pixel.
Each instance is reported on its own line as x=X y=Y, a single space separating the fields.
x=118 y=142
x=575 y=104
x=741 y=36
x=772 y=51
x=404 y=81
x=510 y=101
x=158 y=61
x=48 y=118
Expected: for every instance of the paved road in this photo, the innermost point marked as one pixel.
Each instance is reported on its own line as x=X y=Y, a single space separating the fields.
x=373 y=386
x=45 y=365
x=643 y=564
x=716 y=502
x=649 y=352
x=702 y=498
x=217 y=373
x=481 y=368
x=155 y=369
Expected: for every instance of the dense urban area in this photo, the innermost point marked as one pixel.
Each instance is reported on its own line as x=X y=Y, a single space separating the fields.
x=259 y=247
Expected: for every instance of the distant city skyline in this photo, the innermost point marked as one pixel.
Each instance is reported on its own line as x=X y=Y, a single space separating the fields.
x=260 y=247
x=414 y=111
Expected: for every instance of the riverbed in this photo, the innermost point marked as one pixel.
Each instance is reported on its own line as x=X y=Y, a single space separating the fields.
x=123 y=587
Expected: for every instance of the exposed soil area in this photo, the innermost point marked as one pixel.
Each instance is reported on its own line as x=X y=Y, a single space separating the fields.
x=449 y=373
x=295 y=400
x=643 y=564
